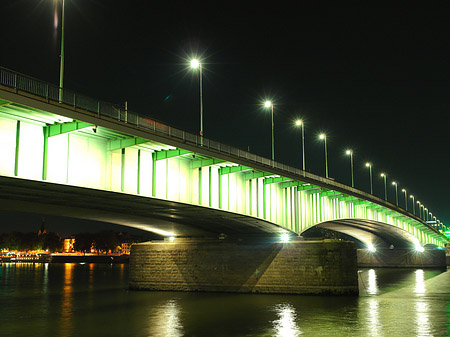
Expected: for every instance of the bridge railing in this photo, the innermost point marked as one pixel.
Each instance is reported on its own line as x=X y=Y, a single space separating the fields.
x=55 y=94
x=50 y=92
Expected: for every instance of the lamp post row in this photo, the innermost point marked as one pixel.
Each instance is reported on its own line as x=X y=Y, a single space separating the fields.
x=196 y=64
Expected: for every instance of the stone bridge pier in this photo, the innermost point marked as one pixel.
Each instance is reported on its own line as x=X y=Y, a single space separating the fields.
x=245 y=265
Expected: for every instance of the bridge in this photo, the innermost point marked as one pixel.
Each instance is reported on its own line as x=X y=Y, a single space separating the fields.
x=67 y=154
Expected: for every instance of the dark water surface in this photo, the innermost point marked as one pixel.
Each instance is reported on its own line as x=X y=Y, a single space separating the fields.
x=93 y=300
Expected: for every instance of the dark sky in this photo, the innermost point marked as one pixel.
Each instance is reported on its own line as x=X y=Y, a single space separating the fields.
x=375 y=79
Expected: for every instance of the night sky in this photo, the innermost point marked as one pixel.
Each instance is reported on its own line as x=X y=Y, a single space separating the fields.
x=374 y=79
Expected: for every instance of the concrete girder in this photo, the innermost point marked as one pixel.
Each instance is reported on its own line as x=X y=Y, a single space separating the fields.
x=275 y=180
x=257 y=174
x=327 y=193
x=61 y=128
x=234 y=169
x=167 y=154
x=206 y=162
x=117 y=144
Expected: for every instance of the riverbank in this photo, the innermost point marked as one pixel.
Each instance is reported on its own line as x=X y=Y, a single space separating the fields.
x=90 y=259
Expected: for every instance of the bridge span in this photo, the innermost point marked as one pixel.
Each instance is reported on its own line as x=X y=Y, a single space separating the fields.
x=67 y=154
x=73 y=140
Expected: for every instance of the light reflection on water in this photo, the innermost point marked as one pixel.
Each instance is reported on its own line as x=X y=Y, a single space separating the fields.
x=286 y=324
x=92 y=299
x=372 y=281
x=66 y=306
x=165 y=320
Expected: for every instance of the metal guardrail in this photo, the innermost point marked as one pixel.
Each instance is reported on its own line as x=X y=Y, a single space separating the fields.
x=50 y=92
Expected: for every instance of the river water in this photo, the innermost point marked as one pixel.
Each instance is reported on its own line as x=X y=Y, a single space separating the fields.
x=93 y=300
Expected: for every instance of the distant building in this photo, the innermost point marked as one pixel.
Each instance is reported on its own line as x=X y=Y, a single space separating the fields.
x=42 y=230
x=125 y=248
x=68 y=245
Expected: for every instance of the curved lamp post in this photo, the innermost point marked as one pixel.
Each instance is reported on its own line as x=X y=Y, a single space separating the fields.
x=384 y=175
x=396 y=192
x=300 y=123
x=268 y=104
x=350 y=153
x=324 y=138
x=406 y=200
x=413 y=204
x=369 y=165
x=195 y=64
x=61 y=66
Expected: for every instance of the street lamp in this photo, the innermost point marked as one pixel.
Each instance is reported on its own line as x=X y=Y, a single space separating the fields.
x=384 y=175
x=413 y=204
x=299 y=122
x=406 y=200
x=195 y=64
x=61 y=69
x=268 y=104
x=396 y=192
x=324 y=138
x=423 y=211
x=350 y=153
x=369 y=165
x=418 y=202
x=426 y=218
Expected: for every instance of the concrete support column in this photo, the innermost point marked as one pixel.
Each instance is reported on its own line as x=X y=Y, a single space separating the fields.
x=16 y=158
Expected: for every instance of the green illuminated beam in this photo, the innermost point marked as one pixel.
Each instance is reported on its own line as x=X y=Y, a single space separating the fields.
x=60 y=128
x=154 y=174
x=329 y=193
x=297 y=183
x=374 y=206
x=362 y=203
x=45 y=154
x=167 y=154
x=256 y=175
x=234 y=169
x=275 y=180
x=3 y=102
x=348 y=198
x=117 y=144
x=206 y=162
x=16 y=160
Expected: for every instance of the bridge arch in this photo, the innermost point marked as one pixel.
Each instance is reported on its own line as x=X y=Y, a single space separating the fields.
x=372 y=234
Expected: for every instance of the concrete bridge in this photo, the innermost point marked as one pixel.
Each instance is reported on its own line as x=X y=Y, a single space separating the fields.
x=67 y=154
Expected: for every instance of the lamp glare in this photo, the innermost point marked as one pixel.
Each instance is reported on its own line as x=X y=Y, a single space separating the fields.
x=195 y=63
x=285 y=237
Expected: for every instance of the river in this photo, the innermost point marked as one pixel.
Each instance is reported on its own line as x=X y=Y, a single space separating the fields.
x=93 y=300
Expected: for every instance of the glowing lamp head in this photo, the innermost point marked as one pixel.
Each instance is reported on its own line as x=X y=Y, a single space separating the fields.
x=419 y=248
x=195 y=63
x=368 y=164
x=298 y=122
x=322 y=136
x=348 y=152
x=394 y=183
x=171 y=238
x=411 y=196
x=382 y=175
x=403 y=190
x=285 y=237
x=371 y=248
x=267 y=104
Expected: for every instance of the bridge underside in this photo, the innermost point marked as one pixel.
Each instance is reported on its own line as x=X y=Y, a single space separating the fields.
x=160 y=216
x=378 y=234
x=170 y=218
